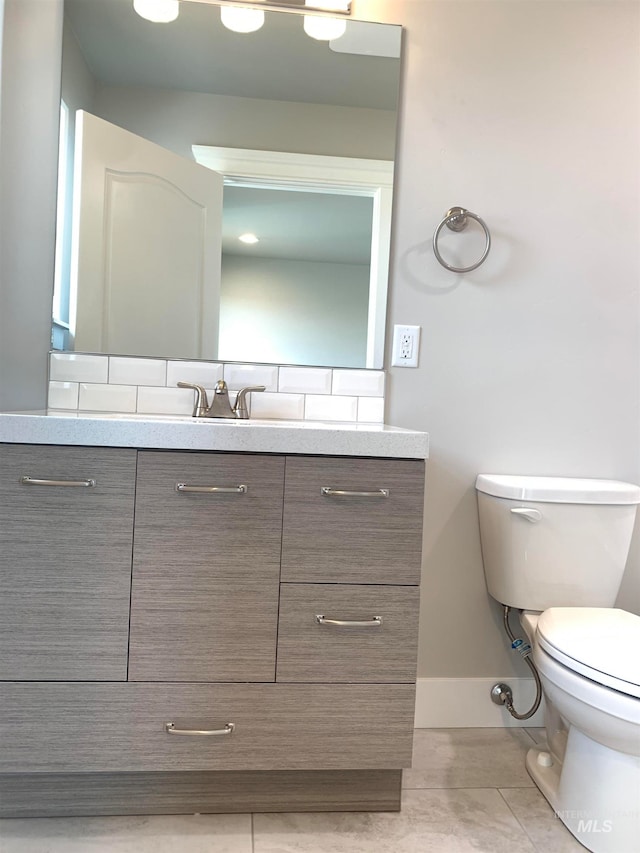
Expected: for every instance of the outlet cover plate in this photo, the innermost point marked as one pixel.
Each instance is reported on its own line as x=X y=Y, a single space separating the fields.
x=406 y=346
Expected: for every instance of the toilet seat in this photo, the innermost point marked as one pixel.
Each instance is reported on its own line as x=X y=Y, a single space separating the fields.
x=599 y=643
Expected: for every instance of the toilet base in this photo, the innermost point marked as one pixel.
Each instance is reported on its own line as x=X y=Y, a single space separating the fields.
x=595 y=792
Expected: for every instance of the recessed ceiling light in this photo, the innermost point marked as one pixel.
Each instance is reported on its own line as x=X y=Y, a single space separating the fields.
x=248 y=238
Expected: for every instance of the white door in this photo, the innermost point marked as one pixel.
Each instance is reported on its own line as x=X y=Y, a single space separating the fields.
x=146 y=246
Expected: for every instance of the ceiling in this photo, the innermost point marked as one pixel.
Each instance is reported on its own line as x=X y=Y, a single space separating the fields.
x=298 y=225
x=197 y=53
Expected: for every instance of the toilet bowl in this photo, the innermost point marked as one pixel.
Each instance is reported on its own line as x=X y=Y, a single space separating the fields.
x=590 y=672
x=556 y=548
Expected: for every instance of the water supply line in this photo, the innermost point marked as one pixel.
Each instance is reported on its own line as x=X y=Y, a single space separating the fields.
x=501 y=693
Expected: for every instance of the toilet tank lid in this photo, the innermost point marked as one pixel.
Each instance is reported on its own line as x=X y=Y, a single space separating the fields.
x=600 y=643
x=558 y=489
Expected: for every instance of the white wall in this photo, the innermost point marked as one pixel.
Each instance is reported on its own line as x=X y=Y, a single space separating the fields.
x=293 y=312
x=528 y=114
x=30 y=79
x=178 y=120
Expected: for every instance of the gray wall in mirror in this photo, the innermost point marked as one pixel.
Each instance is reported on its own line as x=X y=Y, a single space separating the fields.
x=276 y=90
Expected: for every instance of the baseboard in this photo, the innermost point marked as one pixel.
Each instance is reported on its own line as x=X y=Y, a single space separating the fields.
x=443 y=703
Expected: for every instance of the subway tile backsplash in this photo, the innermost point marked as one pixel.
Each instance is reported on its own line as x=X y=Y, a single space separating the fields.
x=137 y=371
x=305 y=380
x=101 y=383
x=78 y=367
x=239 y=376
x=107 y=397
x=205 y=373
x=63 y=395
x=327 y=407
x=358 y=383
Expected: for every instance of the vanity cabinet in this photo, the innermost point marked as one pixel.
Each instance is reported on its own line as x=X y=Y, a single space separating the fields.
x=250 y=617
x=352 y=520
x=66 y=526
x=96 y=727
x=206 y=567
x=347 y=633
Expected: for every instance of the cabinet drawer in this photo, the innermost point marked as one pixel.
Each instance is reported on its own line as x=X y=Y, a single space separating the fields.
x=206 y=567
x=65 y=562
x=352 y=537
x=91 y=727
x=378 y=643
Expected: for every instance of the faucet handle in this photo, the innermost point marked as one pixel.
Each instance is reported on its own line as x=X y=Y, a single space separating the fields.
x=201 y=405
x=240 y=407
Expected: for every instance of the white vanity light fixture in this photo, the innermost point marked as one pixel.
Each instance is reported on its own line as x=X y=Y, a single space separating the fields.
x=247 y=15
x=240 y=19
x=325 y=29
x=249 y=239
x=158 y=11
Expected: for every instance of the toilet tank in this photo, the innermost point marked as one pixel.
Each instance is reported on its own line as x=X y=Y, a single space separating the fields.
x=554 y=541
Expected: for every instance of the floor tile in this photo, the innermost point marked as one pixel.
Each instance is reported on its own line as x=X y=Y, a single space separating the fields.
x=433 y=821
x=161 y=834
x=536 y=816
x=469 y=758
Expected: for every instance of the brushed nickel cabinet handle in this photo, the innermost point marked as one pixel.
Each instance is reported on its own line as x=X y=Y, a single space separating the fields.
x=32 y=481
x=341 y=493
x=212 y=490
x=374 y=622
x=170 y=729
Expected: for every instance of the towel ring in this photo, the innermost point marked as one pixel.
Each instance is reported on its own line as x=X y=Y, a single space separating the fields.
x=457 y=219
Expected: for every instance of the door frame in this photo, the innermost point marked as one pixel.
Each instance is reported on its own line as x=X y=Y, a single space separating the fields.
x=320 y=173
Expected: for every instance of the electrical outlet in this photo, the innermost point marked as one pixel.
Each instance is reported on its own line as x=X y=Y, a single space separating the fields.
x=406 y=344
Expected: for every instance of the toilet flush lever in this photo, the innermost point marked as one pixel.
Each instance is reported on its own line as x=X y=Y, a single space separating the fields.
x=532 y=515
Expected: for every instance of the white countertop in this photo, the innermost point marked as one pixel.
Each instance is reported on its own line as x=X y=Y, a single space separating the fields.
x=173 y=432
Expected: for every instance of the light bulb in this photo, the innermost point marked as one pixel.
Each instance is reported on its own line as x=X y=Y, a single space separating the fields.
x=250 y=239
x=158 y=11
x=324 y=29
x=241 y=20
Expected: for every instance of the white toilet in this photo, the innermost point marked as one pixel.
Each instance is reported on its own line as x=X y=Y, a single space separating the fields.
x=555 y=548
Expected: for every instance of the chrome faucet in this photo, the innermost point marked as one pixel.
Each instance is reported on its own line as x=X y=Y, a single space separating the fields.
x=220 y=404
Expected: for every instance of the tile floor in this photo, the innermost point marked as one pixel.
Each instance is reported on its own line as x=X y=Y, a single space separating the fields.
x=468 y=792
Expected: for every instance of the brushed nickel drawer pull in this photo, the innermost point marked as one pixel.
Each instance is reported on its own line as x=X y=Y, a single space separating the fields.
x=170 y=729
x=374 y=622
x=32 y=481
x=212 y=490
x=341 y=493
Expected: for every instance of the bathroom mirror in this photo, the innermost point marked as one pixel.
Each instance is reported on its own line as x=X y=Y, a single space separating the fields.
x=193 y=84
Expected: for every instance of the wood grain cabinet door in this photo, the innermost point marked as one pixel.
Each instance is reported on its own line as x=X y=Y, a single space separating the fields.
x=69 y=728
x=65 y=562
x=353 y=520
x=347 y=633
x=206 y=566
